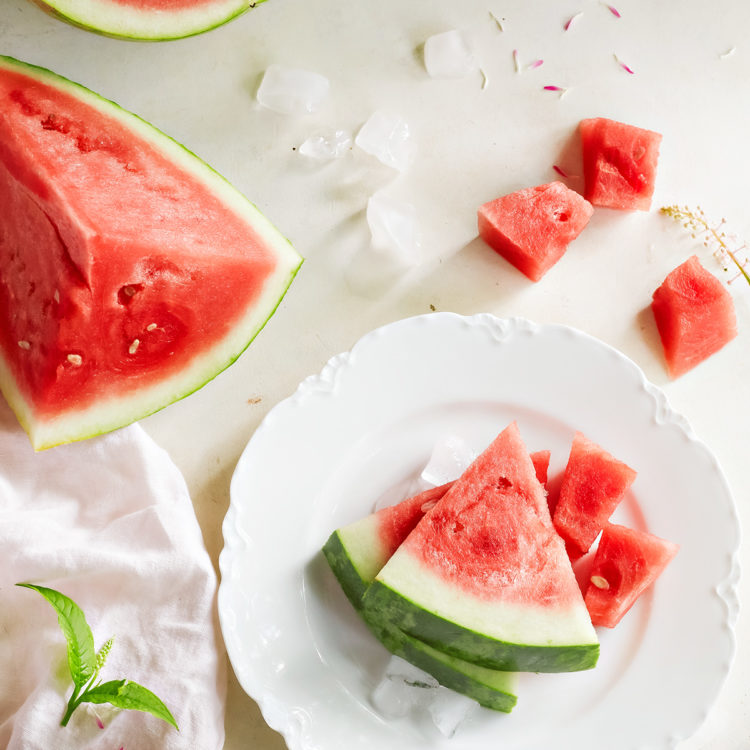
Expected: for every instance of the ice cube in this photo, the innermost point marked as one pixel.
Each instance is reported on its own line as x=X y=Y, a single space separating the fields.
x=386 y=136
x=400 y=669
x=449 y=710
x=291 y=91
x=402 y=689
x=326 y=145
x=447 y=55
x=394 y=228
x=449 y=459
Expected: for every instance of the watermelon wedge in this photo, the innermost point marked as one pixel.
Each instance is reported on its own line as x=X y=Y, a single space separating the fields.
x=695 y=316
x=149 y=20
x=593 y=484
x=619 y=163
x=625 y=564
x=358 y=551
x=132 y=272
x=484 y=575
x=533 y=227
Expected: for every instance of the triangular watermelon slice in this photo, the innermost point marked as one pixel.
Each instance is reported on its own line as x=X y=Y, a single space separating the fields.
x=356 y=554
x=132 y=272
x=484 y=575
x=151 y=20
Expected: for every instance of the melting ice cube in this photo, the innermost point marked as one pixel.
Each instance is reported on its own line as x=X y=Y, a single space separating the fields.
x=394 y=228
x=292 y=92
x=386 y=137
x=447 y=55
x=328 y=145
x=402 y=689
x=450 y=457
x=449 y=710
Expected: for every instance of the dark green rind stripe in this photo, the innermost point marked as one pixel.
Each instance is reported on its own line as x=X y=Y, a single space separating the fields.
x=86 y=25
x=490 y=688
x=340 y=563
x=391 y=608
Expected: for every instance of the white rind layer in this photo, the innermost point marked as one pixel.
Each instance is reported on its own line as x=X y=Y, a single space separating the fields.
x=115 y=19
x=527 y=624
x=363 y=548
x=111 y=413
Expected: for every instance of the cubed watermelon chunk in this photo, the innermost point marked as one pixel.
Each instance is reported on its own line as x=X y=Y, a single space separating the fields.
x=593 y=484
x=619 y=163
x=626 y=563
x=694 y=314
x=532 y=228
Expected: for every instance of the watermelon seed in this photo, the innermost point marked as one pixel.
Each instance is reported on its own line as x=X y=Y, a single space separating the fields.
x=151 y=326
x=600 y=582
x=127 y=293
x=133 y=348
x=56 y=296
x=24 y=345
x=75 y=359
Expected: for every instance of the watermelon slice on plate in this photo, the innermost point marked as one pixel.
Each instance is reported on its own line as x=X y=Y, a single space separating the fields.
x=533 y=227
x=593 y=484
x=132 y=272
x=626 y=563
x=619 y=163
x=357 y=552
x=461 y=580
x=695 y=316
x=149 y=20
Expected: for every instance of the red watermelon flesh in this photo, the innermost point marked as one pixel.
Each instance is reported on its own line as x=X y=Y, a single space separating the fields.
x=593 y=484
x=626 y=563
x=533 y=227
x=126 y=261
x=540 y=459
x=619 y=163
x=695 y=316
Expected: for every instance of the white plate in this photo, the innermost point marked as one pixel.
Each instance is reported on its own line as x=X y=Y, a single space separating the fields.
x=368 y=423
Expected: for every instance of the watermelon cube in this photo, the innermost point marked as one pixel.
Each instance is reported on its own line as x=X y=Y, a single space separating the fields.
x=694 y=314
x=619 y=163
x=626 y=563
x=532 y=228
x=593 y=484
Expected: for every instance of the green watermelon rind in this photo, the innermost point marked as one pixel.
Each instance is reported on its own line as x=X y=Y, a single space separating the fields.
x=384 y=604
x=101 y=419
x=489 y=687
x=143 y=33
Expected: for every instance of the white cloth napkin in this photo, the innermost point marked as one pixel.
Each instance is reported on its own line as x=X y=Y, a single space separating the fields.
x=109 y=523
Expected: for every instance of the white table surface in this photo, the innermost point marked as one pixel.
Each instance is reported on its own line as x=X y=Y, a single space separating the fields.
x=472 y=144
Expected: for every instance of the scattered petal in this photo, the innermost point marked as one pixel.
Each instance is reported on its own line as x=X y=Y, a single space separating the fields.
x=561 y=171
x=534 y=64
x=728 y=53
x=497 y=21
x=625 y=67
x=516 y=63
x=485 y=79
x=571 y=19
x=611 y=8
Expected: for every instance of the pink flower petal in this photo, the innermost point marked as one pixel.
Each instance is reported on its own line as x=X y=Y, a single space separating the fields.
x=561 y=171
x=516 y=63
x=99 y=723
x=625 y=67
x=571 y=19
x=553 y=88
x=611 y=8
x=535 y=64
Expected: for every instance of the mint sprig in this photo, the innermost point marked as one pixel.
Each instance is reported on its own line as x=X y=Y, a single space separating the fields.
x=85 y=663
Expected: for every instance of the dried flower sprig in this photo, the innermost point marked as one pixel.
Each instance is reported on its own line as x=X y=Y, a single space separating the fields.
x=724 y=247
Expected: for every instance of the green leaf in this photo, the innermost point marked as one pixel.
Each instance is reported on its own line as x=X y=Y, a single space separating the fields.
x=130 y=695
x=81 y=652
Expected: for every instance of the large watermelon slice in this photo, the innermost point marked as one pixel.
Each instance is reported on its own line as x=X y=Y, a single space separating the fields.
x=152 y=20
x=356 y=554
x=484 y=575
x=626 y=563
x=619 y=163
x=533 y=227
x=132 y=273
x=694 y=314
x=593 y=484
